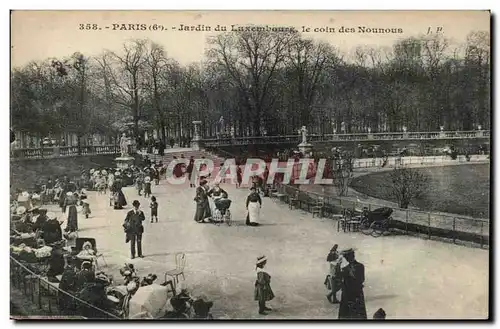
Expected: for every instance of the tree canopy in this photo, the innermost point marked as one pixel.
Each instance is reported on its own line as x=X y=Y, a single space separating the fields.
x=260 y=83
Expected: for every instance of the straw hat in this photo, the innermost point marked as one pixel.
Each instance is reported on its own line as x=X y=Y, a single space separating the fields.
x=117 y=173
x=347 y=251
x=25 y=194
x=92 y=171
x=261 y=260
x=147 y=179
x=20 y=210
x=104 y=172
x=69 y=194
x=51 y=215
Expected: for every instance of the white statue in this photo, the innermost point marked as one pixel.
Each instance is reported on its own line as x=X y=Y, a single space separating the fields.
x=124 y=142
x=303 y=131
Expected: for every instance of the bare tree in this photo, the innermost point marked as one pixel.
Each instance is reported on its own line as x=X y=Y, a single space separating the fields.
x=158 y=67
x=127 y=77
x=307 y=60
x=251 y=58
x=406 y=185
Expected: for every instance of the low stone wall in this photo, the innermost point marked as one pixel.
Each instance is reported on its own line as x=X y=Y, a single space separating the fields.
x=24 y=173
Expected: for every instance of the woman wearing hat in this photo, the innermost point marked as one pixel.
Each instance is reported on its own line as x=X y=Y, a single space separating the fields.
x=202 y=214
x=72 y=212
x=51 y=229
x=254 y=203
x=352 y=302
x=263 y=291
x=119 y=197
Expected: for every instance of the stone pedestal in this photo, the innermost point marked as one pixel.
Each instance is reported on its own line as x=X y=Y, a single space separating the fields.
x=305 y=149
x=124 y=162
x=195 y=142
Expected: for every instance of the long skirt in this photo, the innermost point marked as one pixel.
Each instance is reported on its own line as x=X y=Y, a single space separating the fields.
x=253 y=212
x=72 y=217
x=120 y=201
x=203 y=213
x=352 y=305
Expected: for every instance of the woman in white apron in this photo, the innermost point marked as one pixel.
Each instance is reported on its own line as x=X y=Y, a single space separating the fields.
x=254 y=203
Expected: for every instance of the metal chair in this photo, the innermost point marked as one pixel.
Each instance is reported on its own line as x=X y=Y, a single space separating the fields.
x=294 y=201
x=317 y=209
x=180 y=263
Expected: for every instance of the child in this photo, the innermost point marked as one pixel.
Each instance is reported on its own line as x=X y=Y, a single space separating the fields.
x=154 y=209
x=263 y=291
x=147 y=187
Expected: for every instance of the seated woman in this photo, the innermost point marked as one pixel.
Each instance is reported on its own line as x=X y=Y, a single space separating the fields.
x=85 y=275
x=56 y=262
x=68 y=284
x=216 y=193
x=51 y=229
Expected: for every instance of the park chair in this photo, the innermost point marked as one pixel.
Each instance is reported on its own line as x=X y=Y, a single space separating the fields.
x=180 y=263
x=294 y=201
x=279 y=194
x=317 y=209
x=97 y=256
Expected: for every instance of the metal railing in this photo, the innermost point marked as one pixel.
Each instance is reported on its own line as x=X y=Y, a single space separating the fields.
x=450 y=227
x=50 y=300
x=357 y=137
x=63 y=151
x=417 y=160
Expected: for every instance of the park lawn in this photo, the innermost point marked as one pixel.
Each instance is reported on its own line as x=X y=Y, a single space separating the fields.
x=463 y=189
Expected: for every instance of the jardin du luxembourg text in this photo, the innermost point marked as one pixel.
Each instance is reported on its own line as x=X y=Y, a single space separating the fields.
x=156 y=27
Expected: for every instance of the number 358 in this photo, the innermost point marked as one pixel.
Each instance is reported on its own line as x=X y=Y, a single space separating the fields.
x=88 y=27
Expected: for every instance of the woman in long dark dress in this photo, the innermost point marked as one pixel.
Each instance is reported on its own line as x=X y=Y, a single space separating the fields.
x=72 y=213
x=189 y=170
x=120 y=200
x=202 y=214
x=263 y=292
x=352 y=302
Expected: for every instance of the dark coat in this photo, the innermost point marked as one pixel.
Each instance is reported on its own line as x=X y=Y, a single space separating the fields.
x=352 y=304
x=253 y=197
x=72 y=224
x=52 y=231
x=133 y=222
x=263 y=291
x=202 y=205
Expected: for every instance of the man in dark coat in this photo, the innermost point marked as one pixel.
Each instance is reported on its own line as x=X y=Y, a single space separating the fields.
x=352 y=302
x=134 y=229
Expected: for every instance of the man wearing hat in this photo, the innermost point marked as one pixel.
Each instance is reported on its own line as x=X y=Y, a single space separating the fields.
x=352 y=302
x=134 y=228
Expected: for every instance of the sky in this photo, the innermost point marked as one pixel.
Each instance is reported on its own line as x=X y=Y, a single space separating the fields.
x=37 y=35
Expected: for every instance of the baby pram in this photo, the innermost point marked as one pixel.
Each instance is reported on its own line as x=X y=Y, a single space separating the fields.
x=377 y=222
x=222 y=213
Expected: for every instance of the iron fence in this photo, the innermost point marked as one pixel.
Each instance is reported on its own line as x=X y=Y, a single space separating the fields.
x=450 y=227
x=50 y=300
x=63 y=151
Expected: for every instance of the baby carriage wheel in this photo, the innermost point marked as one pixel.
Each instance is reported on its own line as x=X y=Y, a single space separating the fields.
x=228 y=218
x=217 y=217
